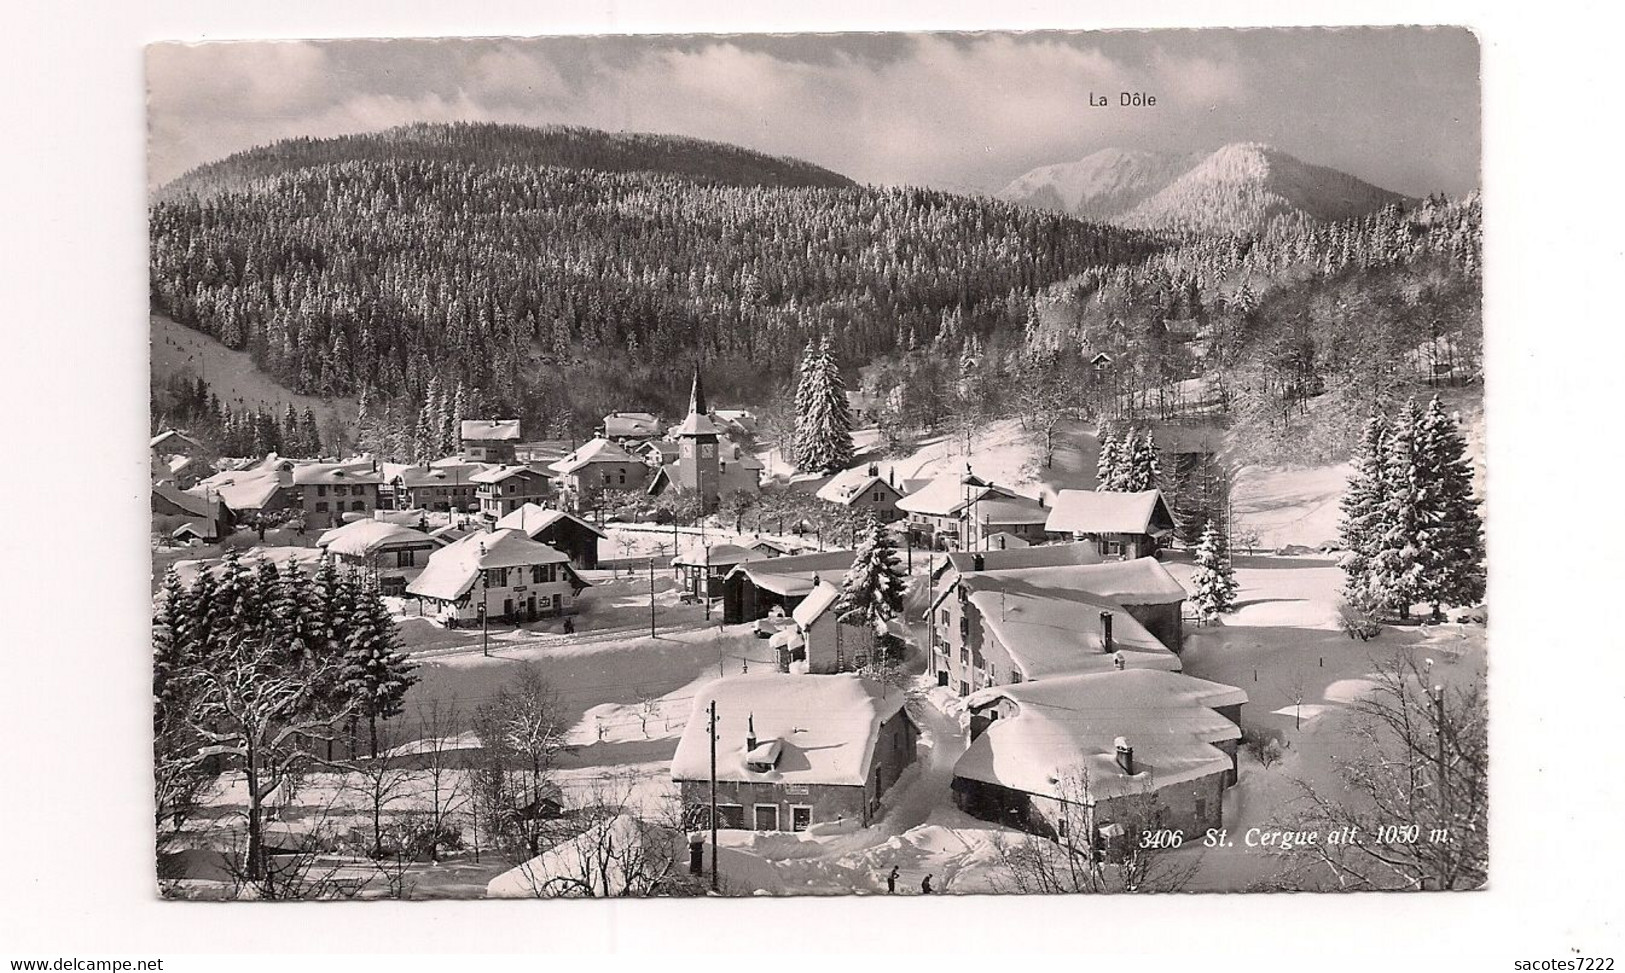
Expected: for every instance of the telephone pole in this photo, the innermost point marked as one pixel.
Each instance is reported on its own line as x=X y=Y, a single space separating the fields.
x=1444 y=793
x=713 y=795
x=651 y=597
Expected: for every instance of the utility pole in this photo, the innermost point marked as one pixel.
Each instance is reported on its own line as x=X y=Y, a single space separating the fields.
x=651 y=597
x=713 y=795
x=485 y=607
x=1437 y=693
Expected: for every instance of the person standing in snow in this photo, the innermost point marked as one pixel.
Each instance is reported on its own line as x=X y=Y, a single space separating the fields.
x=925 y=886
x=891 y=881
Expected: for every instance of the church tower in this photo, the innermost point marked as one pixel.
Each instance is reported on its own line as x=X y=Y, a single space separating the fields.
x=697 y=461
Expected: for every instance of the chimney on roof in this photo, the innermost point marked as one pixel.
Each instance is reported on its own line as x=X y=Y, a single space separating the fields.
x=1125 y=756
x=978 y=562
x=750 y=732
x=1106 y=631
x=891 y=476
x=1117 y=660
x=874 y=470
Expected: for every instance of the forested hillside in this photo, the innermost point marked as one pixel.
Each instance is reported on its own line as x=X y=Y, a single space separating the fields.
x=553 y=145
x=369 y=263
x=1289 y=337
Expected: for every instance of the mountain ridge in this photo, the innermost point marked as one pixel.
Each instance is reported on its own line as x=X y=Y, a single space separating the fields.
x=1238 y=187
x=485 y=143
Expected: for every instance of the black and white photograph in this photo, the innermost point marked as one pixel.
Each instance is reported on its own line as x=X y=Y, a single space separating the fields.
x=940 y=486
x=668 y=466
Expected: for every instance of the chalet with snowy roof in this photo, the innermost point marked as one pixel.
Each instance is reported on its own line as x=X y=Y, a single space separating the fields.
x=325 y=494
x=956 y=563
x=436 y=487
x=957 y=511
x=1042 y=752
x=176 y=459
x=631 y=428
x=208 y=516
x=993 y=628
x=700 y=570
x=864 y=488
x=1126 y=525
x=769 y=547
x=738 y=423
x=390 y=553
x=754 y=588
x=818 y=641
x=498 y=574
x=597 y=466
x=489 y=440
x=561 y=531
x=504 y=488
x=794 y=751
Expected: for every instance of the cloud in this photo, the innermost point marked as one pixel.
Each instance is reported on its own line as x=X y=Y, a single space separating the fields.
x=963 y=111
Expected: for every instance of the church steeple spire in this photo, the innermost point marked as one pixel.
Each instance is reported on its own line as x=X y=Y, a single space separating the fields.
x=696 y=395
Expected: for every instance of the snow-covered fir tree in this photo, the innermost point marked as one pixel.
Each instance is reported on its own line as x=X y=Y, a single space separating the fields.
x=1109 y=464
x=1213 y=579
x=872 y=590
x=1361 y=527
x=1142 y=469
x=375 y=674
x=823 y=417
x=1453 y=548
x=1395 y=576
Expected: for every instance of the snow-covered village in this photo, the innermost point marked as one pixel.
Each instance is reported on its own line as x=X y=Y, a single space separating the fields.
x=544 y=512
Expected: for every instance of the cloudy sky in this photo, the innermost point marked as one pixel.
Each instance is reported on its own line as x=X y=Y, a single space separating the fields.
x=1397 y=107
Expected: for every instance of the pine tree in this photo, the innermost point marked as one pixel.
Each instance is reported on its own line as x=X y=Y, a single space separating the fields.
x=1213 y=579
x=1107 y=465
x=201 y=632
x=872 y=590
x=823 y=441
x=170 y=645
x=1396 y=573
x=1142 y=468
x=375 y=674
x=1361 y=528
x=806 y=395
x=310 y=437
x=1454 y=533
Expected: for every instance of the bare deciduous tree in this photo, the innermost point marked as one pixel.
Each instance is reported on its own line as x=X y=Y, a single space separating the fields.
x=521 y=732
x=1415 y=793
x=1074 y=860
x=248 y=708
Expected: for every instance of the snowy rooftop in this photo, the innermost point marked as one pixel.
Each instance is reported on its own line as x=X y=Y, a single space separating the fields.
x=718 y=556
x=599 y=450
x=1067 y=727
x=533 y=519
x=454 y=569
x=334 y=473
x=816 y=603
x=946 y=495
x=1139 y=581
x=848 y=485
x=1104 y=512
x=1041 y=556
x=827 y=725
x=580 y=866
x=1051 y=632
x=364 y=538
x=489 y=430
x=794 y=574
x=996 y=510
x=631 y=425
x=408 y=475
x=496 y=474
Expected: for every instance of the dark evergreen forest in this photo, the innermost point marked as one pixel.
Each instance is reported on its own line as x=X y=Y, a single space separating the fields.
x=565 y=273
